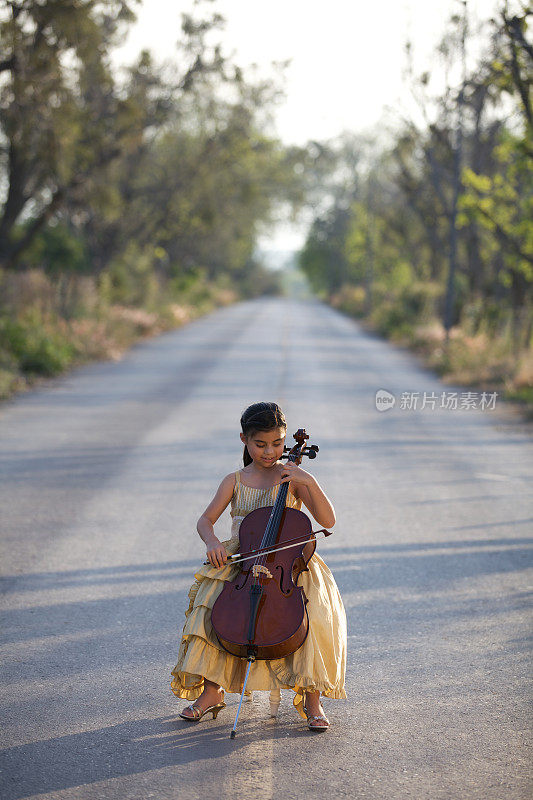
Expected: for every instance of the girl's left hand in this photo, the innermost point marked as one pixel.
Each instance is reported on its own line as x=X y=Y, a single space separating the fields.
x=296 y=475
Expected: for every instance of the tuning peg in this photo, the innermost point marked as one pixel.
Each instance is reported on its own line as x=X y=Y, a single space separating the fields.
x=311 y=450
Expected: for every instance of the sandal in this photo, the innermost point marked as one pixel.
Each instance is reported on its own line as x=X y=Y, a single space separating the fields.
x=198 y=713
x=316 y=718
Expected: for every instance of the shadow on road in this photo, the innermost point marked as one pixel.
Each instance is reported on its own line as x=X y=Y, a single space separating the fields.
x=129 y=748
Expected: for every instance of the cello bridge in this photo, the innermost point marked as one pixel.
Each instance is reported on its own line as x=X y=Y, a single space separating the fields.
x=258 y=569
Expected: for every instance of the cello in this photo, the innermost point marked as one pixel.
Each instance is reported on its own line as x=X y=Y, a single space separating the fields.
x=262 y=613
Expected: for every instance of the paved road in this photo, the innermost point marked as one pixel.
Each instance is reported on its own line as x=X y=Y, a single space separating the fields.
x=104 y=473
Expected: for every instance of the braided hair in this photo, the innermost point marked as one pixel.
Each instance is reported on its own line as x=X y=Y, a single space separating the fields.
x=260 y=417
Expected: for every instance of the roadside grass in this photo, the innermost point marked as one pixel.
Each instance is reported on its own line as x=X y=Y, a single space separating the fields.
x=38 y=342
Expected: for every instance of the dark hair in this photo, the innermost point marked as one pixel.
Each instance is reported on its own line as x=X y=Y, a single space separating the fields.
x=260 y=417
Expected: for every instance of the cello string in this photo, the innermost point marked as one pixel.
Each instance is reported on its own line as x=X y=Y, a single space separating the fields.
x=272 y=525
x=275 y=516
x=274 y=522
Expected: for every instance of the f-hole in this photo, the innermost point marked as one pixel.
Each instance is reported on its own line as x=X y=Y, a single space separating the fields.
x=286 y=592
x=243 y=584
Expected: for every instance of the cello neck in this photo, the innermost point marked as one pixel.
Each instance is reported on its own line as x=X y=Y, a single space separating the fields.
x=295 y=455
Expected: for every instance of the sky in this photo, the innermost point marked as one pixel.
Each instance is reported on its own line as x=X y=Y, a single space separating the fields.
x=347 y=59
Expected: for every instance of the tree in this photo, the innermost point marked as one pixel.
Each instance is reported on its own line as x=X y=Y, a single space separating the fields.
x=55 y=131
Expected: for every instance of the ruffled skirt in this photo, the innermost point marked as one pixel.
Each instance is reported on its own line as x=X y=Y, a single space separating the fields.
x=318 y=665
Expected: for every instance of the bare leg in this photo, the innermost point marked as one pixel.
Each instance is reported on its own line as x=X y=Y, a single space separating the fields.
x=211 y=695
x=312 y=703
x=314 y=709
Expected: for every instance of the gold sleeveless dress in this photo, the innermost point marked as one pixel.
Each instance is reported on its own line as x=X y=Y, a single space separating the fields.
x=318 y=665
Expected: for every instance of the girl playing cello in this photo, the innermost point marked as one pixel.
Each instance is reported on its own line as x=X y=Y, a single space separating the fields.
x=204 y=669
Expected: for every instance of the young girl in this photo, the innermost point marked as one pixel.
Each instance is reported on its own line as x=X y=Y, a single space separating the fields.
x=204 y=669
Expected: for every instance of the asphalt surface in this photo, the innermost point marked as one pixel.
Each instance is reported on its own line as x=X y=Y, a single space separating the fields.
x=104 y=473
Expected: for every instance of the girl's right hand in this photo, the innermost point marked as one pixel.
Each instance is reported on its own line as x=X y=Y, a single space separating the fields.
x=216 y=553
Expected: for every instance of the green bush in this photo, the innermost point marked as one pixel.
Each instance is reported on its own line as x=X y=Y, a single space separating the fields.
x=419 y=300
x=396 y=313
x=389 y=317
x=34 y=349
x=350 y=299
